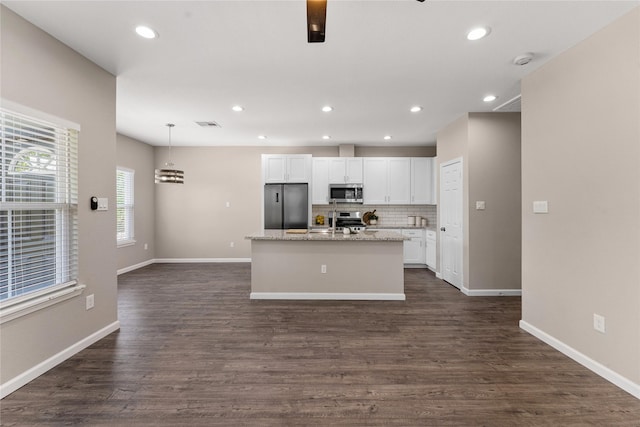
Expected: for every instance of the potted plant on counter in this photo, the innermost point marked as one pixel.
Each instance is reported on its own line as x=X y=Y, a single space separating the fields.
x=373 y=218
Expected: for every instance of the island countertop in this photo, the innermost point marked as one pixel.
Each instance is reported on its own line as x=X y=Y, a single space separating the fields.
x=364 y=236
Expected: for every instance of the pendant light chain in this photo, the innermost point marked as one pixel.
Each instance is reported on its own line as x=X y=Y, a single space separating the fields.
x=170 y=125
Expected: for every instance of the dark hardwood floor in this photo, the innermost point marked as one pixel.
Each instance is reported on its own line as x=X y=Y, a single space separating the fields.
x=194 y=350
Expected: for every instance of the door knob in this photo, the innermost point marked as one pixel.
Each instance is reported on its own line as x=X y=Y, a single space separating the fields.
x=443 y=229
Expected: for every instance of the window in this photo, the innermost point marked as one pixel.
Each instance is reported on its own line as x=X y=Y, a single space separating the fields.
x=124 y=209
x=38 y=210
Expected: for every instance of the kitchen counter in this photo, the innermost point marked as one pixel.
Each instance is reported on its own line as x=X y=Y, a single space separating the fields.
x=401 y=227
x=282 y=235
x=315 y=265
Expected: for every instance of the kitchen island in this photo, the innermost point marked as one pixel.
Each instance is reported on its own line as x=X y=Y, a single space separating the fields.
x=322 y=265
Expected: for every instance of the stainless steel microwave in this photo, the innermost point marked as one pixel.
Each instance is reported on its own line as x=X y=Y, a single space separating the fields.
x=345 y=193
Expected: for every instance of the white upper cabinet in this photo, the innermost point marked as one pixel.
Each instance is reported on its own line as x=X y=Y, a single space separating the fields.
x=375 y=181
x=387 y=180
x=320 y=181
x=422 y=181
x=345 y=170
x=286 y=167
x=399 y=181
x=434 y=180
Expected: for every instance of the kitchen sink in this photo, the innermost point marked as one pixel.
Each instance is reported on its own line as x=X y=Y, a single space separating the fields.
x=320 y=230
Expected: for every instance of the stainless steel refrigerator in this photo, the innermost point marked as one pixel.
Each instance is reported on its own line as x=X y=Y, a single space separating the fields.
x=286 y=206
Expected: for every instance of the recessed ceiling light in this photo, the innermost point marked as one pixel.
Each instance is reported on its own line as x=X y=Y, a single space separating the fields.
x=387 y=137
x=326 y=137
x=327 y=108
x=237 y=108
x=416 y=109
x=489 y=98
x=146 y=32
x=478 y=33
x=262 y=137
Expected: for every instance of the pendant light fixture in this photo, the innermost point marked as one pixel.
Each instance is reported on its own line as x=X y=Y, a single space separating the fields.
x=168 y=174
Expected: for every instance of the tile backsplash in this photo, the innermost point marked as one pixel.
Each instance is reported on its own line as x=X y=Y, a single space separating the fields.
x=388 y=215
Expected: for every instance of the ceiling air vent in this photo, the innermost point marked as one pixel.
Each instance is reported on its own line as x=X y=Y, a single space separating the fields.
x=208 y=124
x=511 y=106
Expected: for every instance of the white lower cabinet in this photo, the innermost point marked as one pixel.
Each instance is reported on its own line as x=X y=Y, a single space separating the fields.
x=431 y=249
x=414 y=249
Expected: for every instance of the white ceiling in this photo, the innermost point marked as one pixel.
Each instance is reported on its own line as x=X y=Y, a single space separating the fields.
x=379 y=59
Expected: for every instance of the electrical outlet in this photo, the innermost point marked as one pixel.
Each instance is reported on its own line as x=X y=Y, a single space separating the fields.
x=228 y=204
x=323 y=269
x=90 y=302
x=146 y=246
x=598 y=323
x=540 y=207
x=232 y=244
x=480 y=205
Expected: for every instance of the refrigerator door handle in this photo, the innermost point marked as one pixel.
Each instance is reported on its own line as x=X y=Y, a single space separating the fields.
x=277 y=197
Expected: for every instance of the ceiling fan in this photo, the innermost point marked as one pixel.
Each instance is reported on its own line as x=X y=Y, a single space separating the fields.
x=317 y=20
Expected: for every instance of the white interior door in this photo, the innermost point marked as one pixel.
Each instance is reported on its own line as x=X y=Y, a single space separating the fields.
x=451 y=232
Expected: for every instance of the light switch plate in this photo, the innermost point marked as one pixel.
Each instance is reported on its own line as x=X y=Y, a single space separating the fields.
x=103 y=203
x=540 y=206
x=480 y=205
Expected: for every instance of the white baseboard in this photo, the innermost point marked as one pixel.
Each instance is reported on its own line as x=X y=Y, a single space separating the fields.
x=205 y=260
x=33 y=373
x=325 y=296
x=424 y=266
x=136 y=266
x=606 y=373
x=439 y=275
x=491 y=292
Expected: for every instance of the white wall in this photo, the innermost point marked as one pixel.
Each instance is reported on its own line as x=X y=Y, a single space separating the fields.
x=581 y=153
x=41 y=73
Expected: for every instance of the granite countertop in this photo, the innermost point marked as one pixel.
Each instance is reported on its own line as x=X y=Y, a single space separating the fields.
x=401 y=227
x=368 y=236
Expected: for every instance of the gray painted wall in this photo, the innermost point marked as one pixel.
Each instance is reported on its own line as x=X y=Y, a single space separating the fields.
x=495 y=234
x=581 y=153
x=137 y=155
x=41 y=73
x=192 y=220
x=489 y=144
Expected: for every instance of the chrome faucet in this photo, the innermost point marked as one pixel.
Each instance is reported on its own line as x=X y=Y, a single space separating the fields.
x=333 y=216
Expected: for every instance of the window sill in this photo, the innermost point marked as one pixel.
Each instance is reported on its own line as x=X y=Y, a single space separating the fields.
x=36 y=303
x=125 y=243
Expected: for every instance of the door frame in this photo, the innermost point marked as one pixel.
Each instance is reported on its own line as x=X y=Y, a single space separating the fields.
x=442 y=165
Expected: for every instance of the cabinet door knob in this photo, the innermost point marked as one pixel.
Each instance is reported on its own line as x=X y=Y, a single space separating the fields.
x=443 y=229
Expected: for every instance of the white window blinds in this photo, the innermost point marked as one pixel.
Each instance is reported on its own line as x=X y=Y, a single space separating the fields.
x=124 y=209
x=38 y=206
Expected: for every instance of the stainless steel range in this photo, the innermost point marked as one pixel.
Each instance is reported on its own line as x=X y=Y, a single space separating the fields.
x=351 y=220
